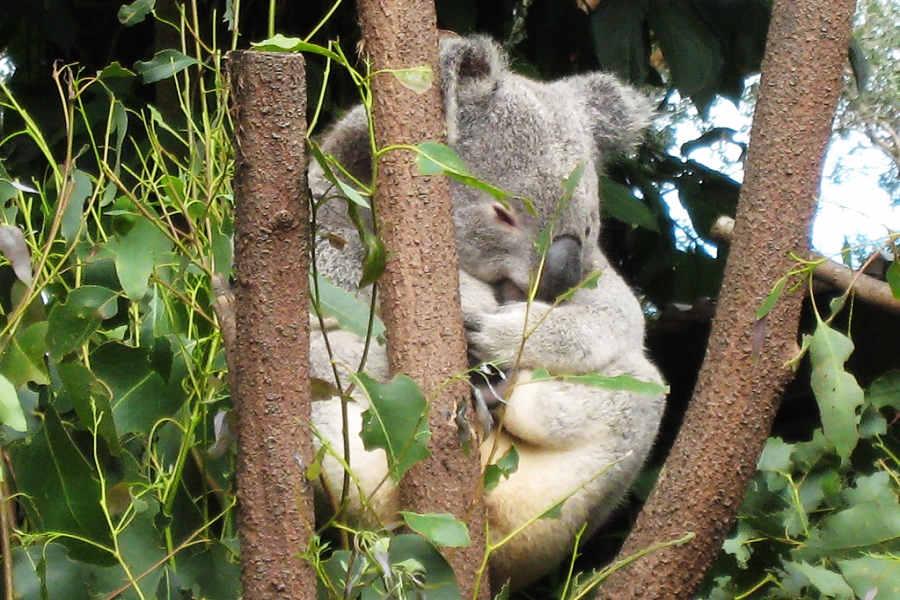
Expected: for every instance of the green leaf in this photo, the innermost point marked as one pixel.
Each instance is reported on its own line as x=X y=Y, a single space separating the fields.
x=893 y=278
x=11 y=413
x=351 y=314
x=374 y=259
x=880 y=573
x=691 y=50
x=114 y=70
x=439 y=159
x=83 y=389
x=504 y=467
x=396 y=421
x=885 y=391
x=864 y=526
x=876 y=487
x=163 y=65
x=136 y=254
x=72 y=323
x=836 y=390
x=617 y=32
x=441 y=529
x=555 y=511
x=82 y=187
x=48 y=568
x=23 y=359
x=828 y=583
x=136 y=12
x=588 y=283
x=280 y=43
x=569 y=184
x=738 y=545
x=325 y=161
x=212 y=572
x=142 y=548
x=618 y=202
x=63 y=493
x=140 y=395
x=776 y=456
x=625 y=383
x=440 y=582
x=417 y=79
x=769 y=303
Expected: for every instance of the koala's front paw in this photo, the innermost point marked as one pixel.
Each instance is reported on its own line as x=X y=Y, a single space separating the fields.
x=495 y=337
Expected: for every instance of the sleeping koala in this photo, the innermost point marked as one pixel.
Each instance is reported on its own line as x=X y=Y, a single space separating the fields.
x=574 y=441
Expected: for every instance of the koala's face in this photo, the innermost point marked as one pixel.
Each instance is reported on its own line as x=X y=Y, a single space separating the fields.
x=523 y=140
x=527 y=137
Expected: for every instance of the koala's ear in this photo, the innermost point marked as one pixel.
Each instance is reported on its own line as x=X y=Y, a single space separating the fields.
x=616 y=113
x=470 y=68
x=348 y=141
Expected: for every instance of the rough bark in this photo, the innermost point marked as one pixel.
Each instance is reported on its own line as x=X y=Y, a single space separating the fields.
x=703 y=481
x=270 y=380
x=419 y=288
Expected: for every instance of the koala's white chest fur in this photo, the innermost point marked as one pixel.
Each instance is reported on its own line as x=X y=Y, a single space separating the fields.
x=576 y=443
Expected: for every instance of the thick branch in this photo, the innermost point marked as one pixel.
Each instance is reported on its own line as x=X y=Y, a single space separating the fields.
x=703 y=481
x=270 y=366
x=419 y=288
x=836 y=275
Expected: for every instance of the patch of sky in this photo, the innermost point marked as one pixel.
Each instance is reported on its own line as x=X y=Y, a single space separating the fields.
x=857 y=207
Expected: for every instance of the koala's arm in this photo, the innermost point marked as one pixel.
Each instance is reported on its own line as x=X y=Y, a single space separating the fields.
x=585 y=334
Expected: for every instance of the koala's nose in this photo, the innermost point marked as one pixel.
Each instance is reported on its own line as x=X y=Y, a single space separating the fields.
x=562 y=268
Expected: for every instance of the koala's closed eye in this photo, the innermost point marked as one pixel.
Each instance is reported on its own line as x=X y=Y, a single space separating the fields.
x=504 y=216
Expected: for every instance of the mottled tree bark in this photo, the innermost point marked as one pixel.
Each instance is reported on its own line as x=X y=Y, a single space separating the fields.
x=419 y=288
x=703 y=481
x=270 y=381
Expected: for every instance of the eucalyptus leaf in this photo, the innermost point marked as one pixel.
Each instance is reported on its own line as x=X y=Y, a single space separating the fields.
x=62 y=488
x=441 y=529
x=23 y=359
x=396 y=421
x=281 y=43
x=91 y=400
x=140 y=395
x=136 y=12
x=505 y=466
x=867 y=573
x=435 y=158
x=351 y=313
x=136 y=254
x=11 y=413
x=837 y=392
x=82 y=187
x=71 y=324
x=893 y=278
x=416 y=79
x=163 y=65
x=619 y=203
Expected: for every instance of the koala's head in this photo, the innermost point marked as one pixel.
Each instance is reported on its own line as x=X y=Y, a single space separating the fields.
x=525 y=137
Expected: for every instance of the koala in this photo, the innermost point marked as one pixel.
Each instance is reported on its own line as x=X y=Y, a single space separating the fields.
x=582 y=443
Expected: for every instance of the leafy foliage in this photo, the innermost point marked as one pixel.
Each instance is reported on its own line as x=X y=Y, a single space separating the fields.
x=116 y=213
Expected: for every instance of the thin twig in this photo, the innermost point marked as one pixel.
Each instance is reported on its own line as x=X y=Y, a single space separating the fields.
x=866 y=287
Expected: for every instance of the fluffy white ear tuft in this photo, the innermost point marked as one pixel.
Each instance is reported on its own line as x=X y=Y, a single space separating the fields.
x=470 y=68
x=616 y=113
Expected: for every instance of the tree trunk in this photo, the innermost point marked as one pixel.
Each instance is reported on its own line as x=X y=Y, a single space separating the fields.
x=419 y=288
x=270 y=381
x=744 y=372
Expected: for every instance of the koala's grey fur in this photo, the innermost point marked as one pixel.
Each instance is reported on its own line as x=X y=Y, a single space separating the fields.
x=523 y=136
